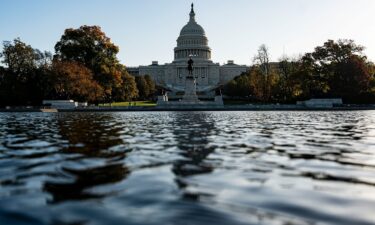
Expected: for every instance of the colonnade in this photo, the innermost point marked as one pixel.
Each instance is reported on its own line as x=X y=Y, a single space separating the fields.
x=198 y=72
x=193 y=52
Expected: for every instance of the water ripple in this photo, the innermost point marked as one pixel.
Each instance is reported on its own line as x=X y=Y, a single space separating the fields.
x=187 y=168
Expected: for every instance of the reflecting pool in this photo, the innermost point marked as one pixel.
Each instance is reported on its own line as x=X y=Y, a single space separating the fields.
x=188 y=168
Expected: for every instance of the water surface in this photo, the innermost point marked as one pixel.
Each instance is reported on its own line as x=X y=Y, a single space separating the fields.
x=188 y=168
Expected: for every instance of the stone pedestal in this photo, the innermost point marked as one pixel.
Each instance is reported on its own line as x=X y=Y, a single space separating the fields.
x=190 y=90
x=190 y=99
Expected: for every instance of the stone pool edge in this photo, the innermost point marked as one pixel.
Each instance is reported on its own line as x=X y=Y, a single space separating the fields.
x=225 y=108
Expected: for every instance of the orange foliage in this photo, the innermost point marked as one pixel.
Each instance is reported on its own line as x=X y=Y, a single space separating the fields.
x=73 y=80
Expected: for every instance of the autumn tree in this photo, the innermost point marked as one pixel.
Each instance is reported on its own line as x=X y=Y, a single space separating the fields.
x=127 y=91
x=257 y=82
x=72 y=80
x=90 y=46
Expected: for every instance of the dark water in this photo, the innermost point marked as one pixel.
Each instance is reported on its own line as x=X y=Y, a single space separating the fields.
x=188 y=168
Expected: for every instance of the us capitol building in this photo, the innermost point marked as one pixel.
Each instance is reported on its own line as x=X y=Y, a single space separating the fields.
x=192 y=43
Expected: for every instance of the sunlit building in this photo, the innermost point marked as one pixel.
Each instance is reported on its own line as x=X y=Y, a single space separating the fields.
x=192 y=42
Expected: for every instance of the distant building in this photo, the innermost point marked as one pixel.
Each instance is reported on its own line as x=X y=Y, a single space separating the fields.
x=193 y=43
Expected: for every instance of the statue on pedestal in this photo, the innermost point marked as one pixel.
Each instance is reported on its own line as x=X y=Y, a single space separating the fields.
x=190 y=85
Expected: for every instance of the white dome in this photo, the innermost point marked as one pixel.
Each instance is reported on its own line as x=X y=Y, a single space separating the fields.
x=192 y=28
x=192 y=41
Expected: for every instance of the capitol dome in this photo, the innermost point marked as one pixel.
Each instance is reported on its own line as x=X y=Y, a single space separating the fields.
x=192 y=41
x=192 y=27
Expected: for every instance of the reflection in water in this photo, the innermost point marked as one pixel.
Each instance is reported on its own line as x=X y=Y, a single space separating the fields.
x=84 y=179
x=90 y=138
x=90 y=135
x=192 y=140
x=187 y=168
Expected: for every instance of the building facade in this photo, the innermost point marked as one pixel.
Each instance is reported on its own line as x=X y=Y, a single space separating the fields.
x=191 y=43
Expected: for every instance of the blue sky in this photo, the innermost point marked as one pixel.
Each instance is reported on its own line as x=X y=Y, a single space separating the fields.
x=147 y=30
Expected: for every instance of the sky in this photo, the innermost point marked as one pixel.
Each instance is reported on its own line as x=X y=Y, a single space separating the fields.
x=147 y=30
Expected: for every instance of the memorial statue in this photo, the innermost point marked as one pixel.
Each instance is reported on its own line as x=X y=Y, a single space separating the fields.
x=190 y=66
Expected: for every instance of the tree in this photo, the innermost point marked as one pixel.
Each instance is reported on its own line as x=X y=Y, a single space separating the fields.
x=19 y=57
x=23 y=79
x=336 y=52
x=142 y=86
x=230 y=89
x=151 y=85
x=371 y=67
x=351 y=78
x=2 y=86
x=90 y=46
x=127 y=91
x=336 y=69
x=239 y=87
x=288 y=86
x=250 y=86
x=72 y=80
x=257 y=83
x=262 y=61
x=244 y=86
x=284 y=74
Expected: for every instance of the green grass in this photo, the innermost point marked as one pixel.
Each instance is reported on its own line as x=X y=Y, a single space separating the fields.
x=135 y=103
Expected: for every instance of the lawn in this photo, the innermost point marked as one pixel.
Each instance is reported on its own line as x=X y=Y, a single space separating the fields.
x=135 y=103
